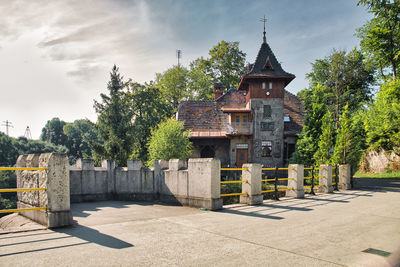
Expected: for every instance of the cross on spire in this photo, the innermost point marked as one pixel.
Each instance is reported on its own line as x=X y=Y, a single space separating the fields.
x=264 y=20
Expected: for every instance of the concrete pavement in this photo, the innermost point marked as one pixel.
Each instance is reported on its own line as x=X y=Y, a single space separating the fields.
x=324 y=230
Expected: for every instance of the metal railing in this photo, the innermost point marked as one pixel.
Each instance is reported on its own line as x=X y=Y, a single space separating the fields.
x=275 y=179
x=233 y=182
x=7 y=190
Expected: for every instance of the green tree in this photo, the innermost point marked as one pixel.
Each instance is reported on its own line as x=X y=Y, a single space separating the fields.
x=325 y=143
x=343 y=144
x=225 y=64
x=169 y=140
x=53 y=132
x=200 y=80
x=383 y=120
x=380 y=37
x=80 y=133
x=347 y=79
x=114 y=122
x=173 y=85
x=315 y=105
x=149 y=109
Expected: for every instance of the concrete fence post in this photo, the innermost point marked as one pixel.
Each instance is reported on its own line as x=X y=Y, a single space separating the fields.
x=345 y=176
x=296 y=172
x=252 y=187
x=88 y=176
x=56 y=181
x=204 y=183
x=325 y=179
x=110 y=166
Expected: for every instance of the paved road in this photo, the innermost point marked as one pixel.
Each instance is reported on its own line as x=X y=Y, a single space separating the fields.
x=325 y=230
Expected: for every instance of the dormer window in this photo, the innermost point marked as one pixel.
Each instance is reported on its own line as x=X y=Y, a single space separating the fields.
x=263 y=86
x=270 y=85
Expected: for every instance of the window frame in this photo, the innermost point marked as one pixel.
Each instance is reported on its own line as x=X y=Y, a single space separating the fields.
x=266 y=149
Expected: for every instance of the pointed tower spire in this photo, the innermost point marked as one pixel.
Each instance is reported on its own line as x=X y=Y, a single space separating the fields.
x=264 y=20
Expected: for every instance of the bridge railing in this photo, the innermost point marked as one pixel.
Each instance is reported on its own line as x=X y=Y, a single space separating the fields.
x=8 y=190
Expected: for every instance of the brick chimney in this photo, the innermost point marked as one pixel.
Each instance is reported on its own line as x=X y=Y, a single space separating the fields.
x=217 y=90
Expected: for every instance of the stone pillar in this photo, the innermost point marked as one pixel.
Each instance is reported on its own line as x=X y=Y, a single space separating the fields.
x=345 y=176
x=296 y=171
x=204 y=183
x=253 y=185
x=55 y=179
x=135 y=177
x=325 y=179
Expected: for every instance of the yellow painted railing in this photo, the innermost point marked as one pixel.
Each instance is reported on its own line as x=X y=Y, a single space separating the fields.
x=233 y=182
x=21 y=169
x=19 y=210
x=233 y=194
x=21 y=189
x=234 y=169
x=268 y=180
x=273 y=169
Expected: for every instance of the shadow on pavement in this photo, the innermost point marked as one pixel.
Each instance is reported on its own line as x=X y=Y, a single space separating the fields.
x=94 y=236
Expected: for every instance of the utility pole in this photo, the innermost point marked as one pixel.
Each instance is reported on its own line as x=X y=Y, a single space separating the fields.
x=8 y=124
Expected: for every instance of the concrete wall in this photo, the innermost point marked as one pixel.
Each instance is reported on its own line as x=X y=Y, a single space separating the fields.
x=55 y=179
x=192 y=183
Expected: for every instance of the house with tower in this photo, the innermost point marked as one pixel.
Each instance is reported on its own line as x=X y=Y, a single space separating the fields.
x=258 y=122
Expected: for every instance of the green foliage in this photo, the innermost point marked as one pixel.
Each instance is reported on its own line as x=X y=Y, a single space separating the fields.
x=343 y=144
x=325 y=143
x=53 y=132
x=79 y=134
x=173 y=86
x=114 y=122
x=383 y=121
x=346 y=78
x=201 y=82
x=148 y=109
x=169 y=141
x=380 y=37
x=316 y=107
x=225 y=65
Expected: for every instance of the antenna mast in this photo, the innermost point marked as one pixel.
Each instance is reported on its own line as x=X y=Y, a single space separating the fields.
x=8 y=124
x=179 y=56
x=27 y=133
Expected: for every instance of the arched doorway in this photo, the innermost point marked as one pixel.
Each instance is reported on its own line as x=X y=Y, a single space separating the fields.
x=207 y=152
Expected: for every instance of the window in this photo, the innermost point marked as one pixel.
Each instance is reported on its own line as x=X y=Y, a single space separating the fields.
x=270 y=85
x=237 y=120
x=267 y=111
x=267 y=126
x=263 y=86
x=286 y=118
x=266 y=148
x=244 y=121
x=242 y=146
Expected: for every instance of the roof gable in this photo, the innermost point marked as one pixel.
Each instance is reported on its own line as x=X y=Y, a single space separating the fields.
x=267 y=64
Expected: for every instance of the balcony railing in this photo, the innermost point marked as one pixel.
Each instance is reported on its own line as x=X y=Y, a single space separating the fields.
x=233 y=129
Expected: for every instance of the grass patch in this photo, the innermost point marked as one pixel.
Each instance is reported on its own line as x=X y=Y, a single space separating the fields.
x=393 y=175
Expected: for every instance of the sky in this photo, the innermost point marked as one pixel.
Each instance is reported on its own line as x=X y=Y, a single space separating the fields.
x=56 y=56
